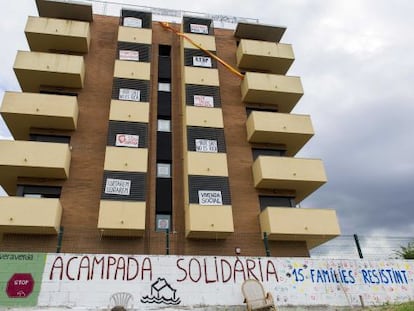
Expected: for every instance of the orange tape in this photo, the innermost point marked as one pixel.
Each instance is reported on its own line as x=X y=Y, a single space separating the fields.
x=229 y=67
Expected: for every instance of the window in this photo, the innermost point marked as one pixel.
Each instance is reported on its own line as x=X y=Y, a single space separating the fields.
x=30 y=191
x=164 y=125
x=50 y=138
x=267 y=152
x=164 y=170
x=164 y=50
x=266 y=201
x=164 y=86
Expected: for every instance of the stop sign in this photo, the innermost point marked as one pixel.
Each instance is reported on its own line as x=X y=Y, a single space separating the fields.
x=20 y=285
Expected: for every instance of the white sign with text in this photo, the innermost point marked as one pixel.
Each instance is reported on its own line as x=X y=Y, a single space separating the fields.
x=208 y=197
x=117 y=186
x=203 y=101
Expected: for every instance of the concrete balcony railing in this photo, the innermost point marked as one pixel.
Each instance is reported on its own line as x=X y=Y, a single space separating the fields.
x=134 y=35
x=201 y=76
x=207 y=164
x=209 y=222
x=126 y=159
x=315 y=226
x=264 y=56
x=50 y=35
x=32 y=159
x=303 y=176
x=121 y=218
x=30 y=215
x=291 y=130
x=36 y=69
x=22 y=111
x=132 y=70
x=283 y=92
x=204 y=117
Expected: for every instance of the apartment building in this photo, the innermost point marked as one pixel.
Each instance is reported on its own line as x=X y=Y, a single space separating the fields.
x=136 y=136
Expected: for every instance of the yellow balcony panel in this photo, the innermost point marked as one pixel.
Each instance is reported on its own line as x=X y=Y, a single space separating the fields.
x=126 y=159
x=315 y=226
x=264 y=56
x=121 y=218
x=209 y=222
x=202 y=76
x=303 y=176
x=135 y=35
x=35 y=69
x=65 y=10
x=49 y=34
x=259 y=32
x=282 y=91
x=205 y=117
x=206 y=42
x=122 y=110
x=32 y=159
x=207 y=164
x=22 y=111
x=30 y=215
x=291 y=130
x=132 y=70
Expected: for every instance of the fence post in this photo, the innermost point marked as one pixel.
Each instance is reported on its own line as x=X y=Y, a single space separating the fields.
x=266 y=244
x=358 y=246
x=59 y=241
x=167 y=242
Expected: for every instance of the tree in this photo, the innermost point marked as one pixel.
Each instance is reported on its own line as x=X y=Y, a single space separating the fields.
x=406 y=252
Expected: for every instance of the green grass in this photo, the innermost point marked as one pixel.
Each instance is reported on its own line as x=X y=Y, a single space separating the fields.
x=408 y=306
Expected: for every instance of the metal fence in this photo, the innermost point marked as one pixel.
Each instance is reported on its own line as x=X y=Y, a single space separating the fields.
x=76 y=239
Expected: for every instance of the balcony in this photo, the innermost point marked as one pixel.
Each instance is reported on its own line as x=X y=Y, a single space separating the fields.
x=281 y=91
x=264 y=56
x=207 y=164
x=36 y=69
x=291 y=130
x=135 y=35
x=201 y=76
x=132 y=70
x=128 y=111
x=49 y=34
x=209 y=222
x=204 y=117
x=22 y=111
x=315 y=226
x=32 y=159
x=30 y=215
x=303 y=176
x=126 y=159
x=206 y=42
x=65 y=10
x=259 y=32
x=121 y=218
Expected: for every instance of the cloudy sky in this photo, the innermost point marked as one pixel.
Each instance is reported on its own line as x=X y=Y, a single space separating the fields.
x=356 y=62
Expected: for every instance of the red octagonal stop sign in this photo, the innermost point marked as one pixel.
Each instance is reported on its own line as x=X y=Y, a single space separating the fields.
x=20 y=285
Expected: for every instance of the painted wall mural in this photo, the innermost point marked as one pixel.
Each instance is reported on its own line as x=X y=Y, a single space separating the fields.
x=148 y=282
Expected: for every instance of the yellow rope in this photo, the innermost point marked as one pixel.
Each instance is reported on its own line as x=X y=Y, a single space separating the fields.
x=229 y=67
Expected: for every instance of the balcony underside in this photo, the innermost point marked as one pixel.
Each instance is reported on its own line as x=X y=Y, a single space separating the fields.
x=65 y=10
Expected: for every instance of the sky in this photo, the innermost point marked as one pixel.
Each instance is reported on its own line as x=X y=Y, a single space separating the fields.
x=355 y=60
